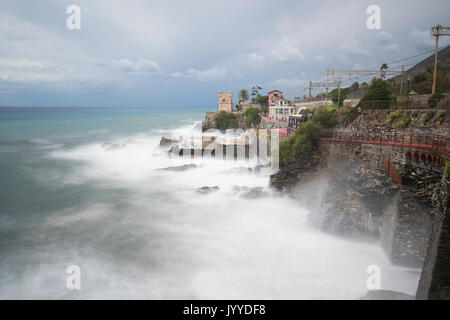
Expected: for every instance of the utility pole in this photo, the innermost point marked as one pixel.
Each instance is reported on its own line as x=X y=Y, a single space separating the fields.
x=437 y=31
x=326 y=92
x=310 y=85
x=401 y=81
x=339 y=94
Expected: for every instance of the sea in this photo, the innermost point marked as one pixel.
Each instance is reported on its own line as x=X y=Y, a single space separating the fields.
x=92 y=207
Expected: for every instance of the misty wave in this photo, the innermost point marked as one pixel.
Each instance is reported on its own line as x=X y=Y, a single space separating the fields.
x=141 y=232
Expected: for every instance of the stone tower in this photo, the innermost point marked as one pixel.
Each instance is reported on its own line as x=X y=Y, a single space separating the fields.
x=226 y=101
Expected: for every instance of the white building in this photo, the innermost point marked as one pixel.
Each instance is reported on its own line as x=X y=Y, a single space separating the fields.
x=281 y=110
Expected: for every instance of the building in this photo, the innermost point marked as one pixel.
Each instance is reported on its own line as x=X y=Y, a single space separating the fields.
x=296 y=119
x=226 y=101
x=312 y=104
x=281 y=110
x=282 y=102
x=274 y=95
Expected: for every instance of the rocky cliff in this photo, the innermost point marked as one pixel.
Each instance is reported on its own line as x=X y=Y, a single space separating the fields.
x=360 y=198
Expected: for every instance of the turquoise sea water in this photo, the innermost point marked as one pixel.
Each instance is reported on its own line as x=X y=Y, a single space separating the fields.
x=137 y=231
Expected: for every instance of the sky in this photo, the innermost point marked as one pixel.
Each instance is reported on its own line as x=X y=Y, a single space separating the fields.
x=182 y=53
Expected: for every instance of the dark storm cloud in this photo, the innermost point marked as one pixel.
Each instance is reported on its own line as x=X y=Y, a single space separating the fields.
x=183 y=52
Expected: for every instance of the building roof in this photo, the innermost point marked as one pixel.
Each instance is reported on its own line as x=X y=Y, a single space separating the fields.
x=275 y=91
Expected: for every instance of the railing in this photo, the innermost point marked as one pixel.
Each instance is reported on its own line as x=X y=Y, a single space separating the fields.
x=400 y=103
x=429 y=142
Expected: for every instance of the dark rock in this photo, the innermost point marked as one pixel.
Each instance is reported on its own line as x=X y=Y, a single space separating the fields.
x=184 y=167
x=210 y=122
x=206 y=189
x=167 y=142
x=288 y=176
x=250 y=192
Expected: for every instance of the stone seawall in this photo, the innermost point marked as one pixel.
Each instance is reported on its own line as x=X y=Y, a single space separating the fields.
x=363 y=196
x=435 y=279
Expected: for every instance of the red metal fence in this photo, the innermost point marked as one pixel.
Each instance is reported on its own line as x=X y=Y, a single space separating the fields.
x=429 y=142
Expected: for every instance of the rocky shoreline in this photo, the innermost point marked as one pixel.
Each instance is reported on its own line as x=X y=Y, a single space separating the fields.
x=360 y=199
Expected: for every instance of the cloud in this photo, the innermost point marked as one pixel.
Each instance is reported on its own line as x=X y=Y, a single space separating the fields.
x=213 y=74
x=177 y=75
x=140 y=66
x=421 y=40
x=320 y=58
x=353 y=48
x=289 y=83
x=26 y=70
x=37 y=48
x=287 y=51
x=255 y=59
x=387 y=40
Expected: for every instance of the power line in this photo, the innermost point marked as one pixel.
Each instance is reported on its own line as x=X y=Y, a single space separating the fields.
x=414 y=56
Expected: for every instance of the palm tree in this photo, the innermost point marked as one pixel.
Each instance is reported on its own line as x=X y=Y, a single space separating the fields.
x=383 y=70
x=243 y=95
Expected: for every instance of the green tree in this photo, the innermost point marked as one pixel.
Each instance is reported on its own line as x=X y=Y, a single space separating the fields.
x=326 y=116
x=383 y=70
x=311 y=130
x=255 y=91
x=379 y=93
x=226 y=120
x=364 y=86
x=354 y=86
x=285 y=151
x=434 y=99
x=338 y=97
x=252 y=117
x=262 y=100
x=301 y=144
x=422 y=83
x=243 y=95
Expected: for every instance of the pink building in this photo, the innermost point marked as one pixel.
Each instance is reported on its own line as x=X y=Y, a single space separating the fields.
x=274 y=96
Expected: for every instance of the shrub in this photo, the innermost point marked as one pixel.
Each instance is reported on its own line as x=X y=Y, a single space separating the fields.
x=301 y=144
x=226 y=120
x=252 y=117
x=415 y=114
x=441 y=117
x=394 y=116
x=405 y=122
x=326 y=116
x=434 y=99
x=447 y=167
x=428 y=117
x=338 y=97
x=348 y=114
x=311 y=130
x=379 y=95
x=285 y=151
